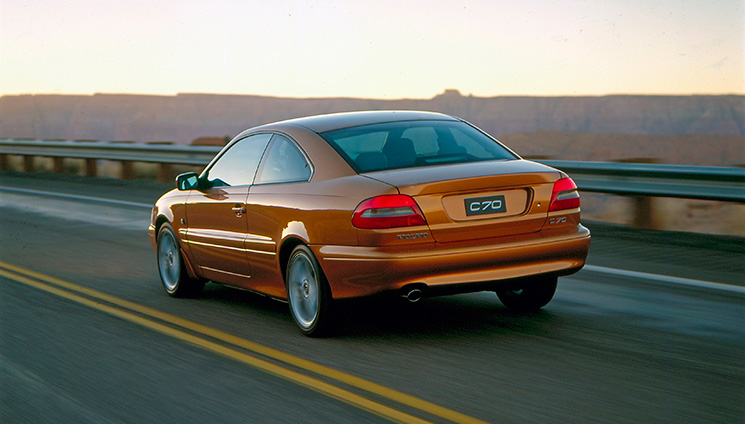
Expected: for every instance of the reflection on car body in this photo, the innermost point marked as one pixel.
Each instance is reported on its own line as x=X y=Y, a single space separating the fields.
x=318 y=209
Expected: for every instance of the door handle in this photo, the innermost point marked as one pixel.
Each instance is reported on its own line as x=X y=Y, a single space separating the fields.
x=239 y=210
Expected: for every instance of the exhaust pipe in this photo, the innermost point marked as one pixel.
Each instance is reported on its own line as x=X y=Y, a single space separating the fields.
x=414 y=295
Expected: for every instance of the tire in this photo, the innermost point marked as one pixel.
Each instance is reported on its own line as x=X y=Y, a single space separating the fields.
x=308 y=294
x=528 y=295
x=176 y=280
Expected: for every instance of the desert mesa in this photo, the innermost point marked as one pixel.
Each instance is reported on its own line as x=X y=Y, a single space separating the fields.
x=692 y=130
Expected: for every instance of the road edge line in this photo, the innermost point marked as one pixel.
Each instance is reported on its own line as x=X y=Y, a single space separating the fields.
x=667 y=279
x=75 y=197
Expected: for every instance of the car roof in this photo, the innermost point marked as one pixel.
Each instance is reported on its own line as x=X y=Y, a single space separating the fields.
x=335 y=121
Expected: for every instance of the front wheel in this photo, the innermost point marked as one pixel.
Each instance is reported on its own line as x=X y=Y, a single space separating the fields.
x=176 y=280
x=308 y=293
x=528 y=295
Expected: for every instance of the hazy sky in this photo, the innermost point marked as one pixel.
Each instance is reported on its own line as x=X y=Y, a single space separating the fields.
x=373 y=48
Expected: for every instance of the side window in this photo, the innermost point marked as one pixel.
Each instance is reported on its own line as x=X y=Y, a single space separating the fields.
x=283 y=163
x=238 y=165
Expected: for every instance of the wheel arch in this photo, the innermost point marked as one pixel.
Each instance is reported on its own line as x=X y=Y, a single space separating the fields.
x=285 y=250
x=159 y=221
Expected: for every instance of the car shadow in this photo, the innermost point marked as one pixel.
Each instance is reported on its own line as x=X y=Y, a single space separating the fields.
x=455 y=316
x=389 y=318
x=246 y=304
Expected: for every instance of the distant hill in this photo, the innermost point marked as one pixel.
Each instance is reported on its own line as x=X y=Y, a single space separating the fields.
x=185 y=117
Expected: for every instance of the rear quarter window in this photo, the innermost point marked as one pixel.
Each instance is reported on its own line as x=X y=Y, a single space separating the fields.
x=283 y=163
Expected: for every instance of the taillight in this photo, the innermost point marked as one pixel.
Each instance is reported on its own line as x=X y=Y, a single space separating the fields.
x=564 y=196
x=389 y=211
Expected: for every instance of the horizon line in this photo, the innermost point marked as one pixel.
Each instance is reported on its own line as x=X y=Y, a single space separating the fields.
x=450 y=92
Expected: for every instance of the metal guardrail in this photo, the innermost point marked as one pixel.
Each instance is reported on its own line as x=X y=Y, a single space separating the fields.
x=130 y=152
x=637 y=179
x=631 y=179
x=92 y=151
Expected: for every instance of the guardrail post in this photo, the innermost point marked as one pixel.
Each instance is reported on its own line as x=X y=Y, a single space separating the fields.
x=28 y=163
x=165 y=170
x=643 y=205
x=165 y=173
x=4 y=162
x=59 y=165
x=643 y=213
x=128 y=172
x=91 y=167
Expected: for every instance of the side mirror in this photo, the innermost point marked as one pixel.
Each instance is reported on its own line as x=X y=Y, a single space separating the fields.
x=187 y=181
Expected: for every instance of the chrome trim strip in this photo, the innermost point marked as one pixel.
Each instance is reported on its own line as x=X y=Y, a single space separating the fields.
x=239 y=249
x=254 y=238
x=357 y=259
x=217 y=234
x=264 y=252
x=225 y=272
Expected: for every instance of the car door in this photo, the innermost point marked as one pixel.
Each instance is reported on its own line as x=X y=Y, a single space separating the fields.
x=216 y=214
x=275 y=201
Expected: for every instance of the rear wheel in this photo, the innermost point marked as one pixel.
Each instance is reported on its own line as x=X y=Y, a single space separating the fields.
x=308 y=293
x=528 y=295
x=176 y=280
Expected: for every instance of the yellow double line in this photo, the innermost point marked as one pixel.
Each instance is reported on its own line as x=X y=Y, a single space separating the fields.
x=141 y=315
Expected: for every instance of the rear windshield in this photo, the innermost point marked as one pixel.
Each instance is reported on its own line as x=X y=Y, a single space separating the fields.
x=409 y=144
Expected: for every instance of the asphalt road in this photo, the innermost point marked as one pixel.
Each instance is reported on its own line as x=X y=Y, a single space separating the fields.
x=609 y=347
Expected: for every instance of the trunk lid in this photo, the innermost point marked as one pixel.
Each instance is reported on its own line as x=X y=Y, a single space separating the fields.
x=478 y=200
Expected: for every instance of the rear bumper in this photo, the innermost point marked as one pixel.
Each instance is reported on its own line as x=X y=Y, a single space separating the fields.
x=354 y=271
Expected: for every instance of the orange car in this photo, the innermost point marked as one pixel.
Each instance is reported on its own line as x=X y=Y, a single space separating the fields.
x=317 y=209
